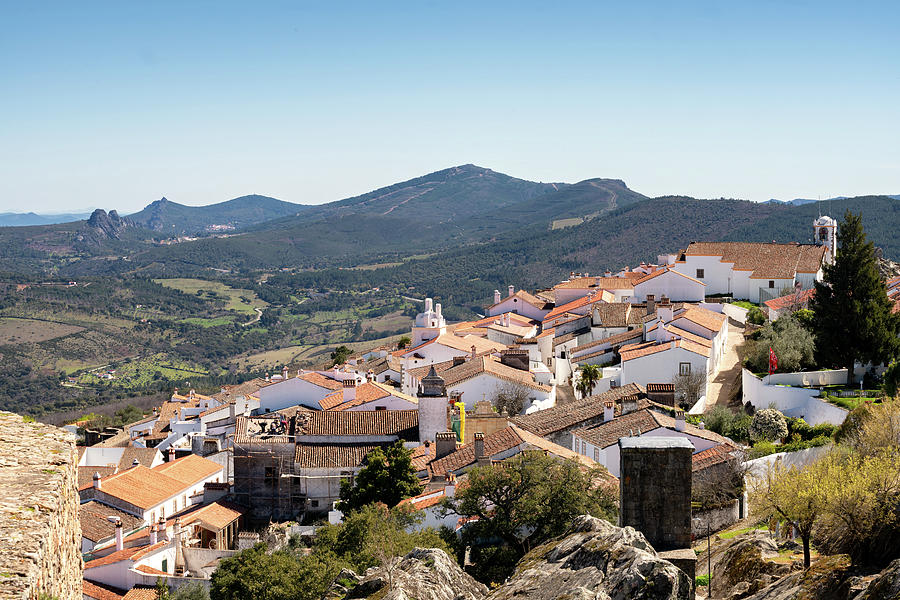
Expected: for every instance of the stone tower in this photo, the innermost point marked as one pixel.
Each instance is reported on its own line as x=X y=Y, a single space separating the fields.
x=432 y=407
x=826 y=235
x=655 y=489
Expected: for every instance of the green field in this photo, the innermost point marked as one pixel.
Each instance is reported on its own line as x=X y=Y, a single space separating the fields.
x=138 y=373
x=238 y=300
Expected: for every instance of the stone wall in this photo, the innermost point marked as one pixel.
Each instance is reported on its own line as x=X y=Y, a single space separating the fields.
x=40 y=537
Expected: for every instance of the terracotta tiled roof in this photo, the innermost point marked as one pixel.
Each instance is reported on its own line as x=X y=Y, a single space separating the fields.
x=366 y=392
x=248 y=388
x=422 y=455
x=659 y=272
x=791 y=299
x=145 y=488
x=495 y=443
x=190 y=469
x=576 y=306
x=99 y=592
x=765 y=261
x=711 y=457
x=524 y=297
x=564 y=416
x=660 y=387
x=402 y=423
x=425 y=500
x=634 y=351
x=322 y=381
x=613 y=340
x=454 y=374
x=214 y=516
x=618 y=314
x=125 y=554
x=643 y=421
x=142 y=592
x=688 y=335
x=95 y=525
x=86 y=475
x=703 y=317
x=319 y=456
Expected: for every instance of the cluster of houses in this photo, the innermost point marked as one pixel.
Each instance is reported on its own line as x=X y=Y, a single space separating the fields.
x=187 y=486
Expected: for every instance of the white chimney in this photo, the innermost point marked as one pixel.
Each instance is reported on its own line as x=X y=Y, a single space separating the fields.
x=349 y=389
x=231 y=409
x=154 y=534
x=473 y=352
x=609 y=411
x=191 y=394
x=512 y=290
x=679 y=420
x=428 y=304
x=268 y=377
x=161 y=528
x=496 y=296
x=120 y=538
x=284 y=372
x=437 y=310
x=98 y=481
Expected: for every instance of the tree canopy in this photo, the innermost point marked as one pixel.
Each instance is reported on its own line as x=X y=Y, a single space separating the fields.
x=527 y=500
x=852 y=313
x=387 y=477
x=792 y=343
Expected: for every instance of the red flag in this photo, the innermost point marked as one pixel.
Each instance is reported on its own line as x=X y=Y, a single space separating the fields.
x=773 y=361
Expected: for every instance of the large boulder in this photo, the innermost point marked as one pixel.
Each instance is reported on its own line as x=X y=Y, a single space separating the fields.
x=423 y=573
x=885 y=585
x=595 y=561
x=827 y=579
x=742 y=565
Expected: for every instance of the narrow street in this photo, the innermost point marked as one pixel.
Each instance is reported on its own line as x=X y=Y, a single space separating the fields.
x=729 y=375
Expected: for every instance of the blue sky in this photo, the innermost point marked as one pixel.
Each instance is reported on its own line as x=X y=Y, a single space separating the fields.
x=117 y=104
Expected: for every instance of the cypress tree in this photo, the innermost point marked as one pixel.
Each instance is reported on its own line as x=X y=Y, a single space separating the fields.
x=853 y=319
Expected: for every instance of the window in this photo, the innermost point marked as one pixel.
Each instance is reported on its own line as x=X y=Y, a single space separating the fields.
x=165 y=565
x=175 y=505
x=153 y=516
x=596 y=454
x=771 y=284
x=314 y=503
x=684 y=368
x=699 y=273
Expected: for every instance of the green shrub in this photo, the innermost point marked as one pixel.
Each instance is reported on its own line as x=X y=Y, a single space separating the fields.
x=761 y=449
x=768 y=425
x=756 y=316
x=701 y=580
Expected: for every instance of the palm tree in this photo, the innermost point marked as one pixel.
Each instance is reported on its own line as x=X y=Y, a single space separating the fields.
x=590 y=374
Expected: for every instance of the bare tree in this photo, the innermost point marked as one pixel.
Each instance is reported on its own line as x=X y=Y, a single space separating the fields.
x=689 y=387
x=720 y=483
x=511 y=397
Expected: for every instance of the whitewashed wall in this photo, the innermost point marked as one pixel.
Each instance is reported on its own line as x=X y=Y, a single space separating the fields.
x=792 y=401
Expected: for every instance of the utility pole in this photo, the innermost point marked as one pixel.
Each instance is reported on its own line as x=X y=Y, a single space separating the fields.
x=708 y=562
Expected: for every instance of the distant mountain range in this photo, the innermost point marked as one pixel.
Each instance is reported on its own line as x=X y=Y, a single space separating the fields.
x=10 y=219
x=171 y=218
x=462 y=209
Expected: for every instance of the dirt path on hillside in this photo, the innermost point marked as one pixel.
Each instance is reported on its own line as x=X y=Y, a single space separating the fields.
x=729 y=377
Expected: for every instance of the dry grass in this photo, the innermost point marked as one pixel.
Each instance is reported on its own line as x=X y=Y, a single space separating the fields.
x=31 y=331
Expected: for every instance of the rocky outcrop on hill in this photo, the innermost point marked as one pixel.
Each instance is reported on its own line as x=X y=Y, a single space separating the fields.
x=888 y=269
x=110 y=224
x=595 y=561
x=423 y=573
x=827 y=579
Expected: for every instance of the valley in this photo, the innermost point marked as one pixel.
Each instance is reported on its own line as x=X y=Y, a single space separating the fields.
x=97 y=311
